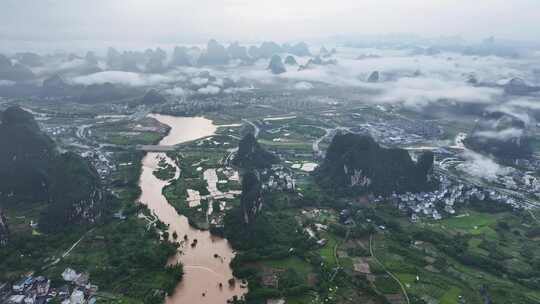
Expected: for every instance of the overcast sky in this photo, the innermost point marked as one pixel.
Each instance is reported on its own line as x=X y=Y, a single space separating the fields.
x=193 y=21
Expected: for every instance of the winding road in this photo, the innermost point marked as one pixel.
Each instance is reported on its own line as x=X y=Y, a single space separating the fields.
x=256 y=129
x=372 y=253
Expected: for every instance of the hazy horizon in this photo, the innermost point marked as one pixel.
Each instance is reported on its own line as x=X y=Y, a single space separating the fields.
x=166 y=21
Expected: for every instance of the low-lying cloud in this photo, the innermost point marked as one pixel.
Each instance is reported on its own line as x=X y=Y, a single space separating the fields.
x=199 y=81
x=122 y=78
x=303 y=85
x=176 y=91
x=209 y=90
x=419 y=92
x=6 y=82
x=412 y=81
x=503 y=135
x=481 y=166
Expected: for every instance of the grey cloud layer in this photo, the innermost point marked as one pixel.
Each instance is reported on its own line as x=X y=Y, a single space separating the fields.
x=442 y=77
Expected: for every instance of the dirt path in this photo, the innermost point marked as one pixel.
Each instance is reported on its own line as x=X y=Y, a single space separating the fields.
x=371 y=251
x=68 y=251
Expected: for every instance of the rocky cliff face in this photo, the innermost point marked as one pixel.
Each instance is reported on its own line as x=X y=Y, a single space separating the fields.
x=251 y=155
x=356 y=164
x=4 y=231
x=251 y=201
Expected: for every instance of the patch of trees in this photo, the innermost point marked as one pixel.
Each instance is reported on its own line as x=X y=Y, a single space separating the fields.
x=490 y=206
x=272 y=235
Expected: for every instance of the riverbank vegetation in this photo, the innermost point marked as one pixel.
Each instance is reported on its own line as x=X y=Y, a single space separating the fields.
x=122 y=253
x=165 y=171
x=193 y=160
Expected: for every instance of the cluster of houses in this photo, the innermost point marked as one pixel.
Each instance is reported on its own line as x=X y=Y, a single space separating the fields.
x=56 y=130
x=28 y=290
x=387 y=134
x=314 y=229
x=38 y=290
x=278 y=178
x=443 y=201
x=101 y=162
x=522 y=181
x=211 y=142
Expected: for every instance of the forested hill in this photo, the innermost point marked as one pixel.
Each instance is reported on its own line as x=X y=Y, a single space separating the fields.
x=356 y=164
x=25 y=157
x=32 y=171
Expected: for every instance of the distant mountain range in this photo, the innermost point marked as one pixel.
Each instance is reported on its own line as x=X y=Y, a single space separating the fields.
x=32 y=171
x=356 y=164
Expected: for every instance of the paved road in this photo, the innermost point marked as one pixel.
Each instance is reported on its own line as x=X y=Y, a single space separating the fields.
x=533 y=215
x=155 y=148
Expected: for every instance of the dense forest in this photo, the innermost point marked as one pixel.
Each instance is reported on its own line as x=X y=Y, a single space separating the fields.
x=32 y=171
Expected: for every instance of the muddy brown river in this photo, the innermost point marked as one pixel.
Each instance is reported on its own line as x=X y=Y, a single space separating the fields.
x=206 y=277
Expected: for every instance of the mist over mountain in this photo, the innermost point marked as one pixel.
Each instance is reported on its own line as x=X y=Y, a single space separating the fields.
x=215 y=54
x=55 y=86
x=14 y=71
x=501 y=135
x=290 y=60
x=153 y=97
x=299 y=49
x=518 y=86
x=373 y=77
x=276 y=65
x=180 y=57
x=237 y=51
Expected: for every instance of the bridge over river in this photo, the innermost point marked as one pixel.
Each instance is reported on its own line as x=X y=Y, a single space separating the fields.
x=155 y=148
